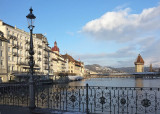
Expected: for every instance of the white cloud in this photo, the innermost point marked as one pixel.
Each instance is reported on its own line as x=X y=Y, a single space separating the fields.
x=137 y=33
x=152 y=54
x=121 y=26
x=110 y=59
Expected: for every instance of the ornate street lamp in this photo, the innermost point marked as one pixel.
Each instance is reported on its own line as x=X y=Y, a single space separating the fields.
x=30 y=18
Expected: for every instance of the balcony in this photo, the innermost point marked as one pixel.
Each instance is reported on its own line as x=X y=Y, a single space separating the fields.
x=45 y=49
x=39 y=59
x=40 y=46
x=45 y=62
x=63 y=64
x=13 y=37
x=39 y=73
x=46 y=68
x=36 y=65
x=27 y=42
x=3 y=71
x=19 y=72
x=20 y=47
x=53 y=59
x=27 y=57
x=39 y=52
x=15 y=54
x=23 y=63
x=45 y=56
x=15 y=46
x=27 y=49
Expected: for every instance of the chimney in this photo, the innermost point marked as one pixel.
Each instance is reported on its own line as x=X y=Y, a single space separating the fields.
x=1 y=22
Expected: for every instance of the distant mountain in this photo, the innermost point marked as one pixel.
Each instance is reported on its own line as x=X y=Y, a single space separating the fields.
x=132 y=69
x=126 y=69
x=101 y=69
x=105 y=69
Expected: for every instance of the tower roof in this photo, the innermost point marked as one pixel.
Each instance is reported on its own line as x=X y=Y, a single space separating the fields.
x=139 y=60
x=55 y=48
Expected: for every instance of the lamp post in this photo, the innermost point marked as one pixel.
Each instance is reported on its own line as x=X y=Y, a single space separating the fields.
x=30 y=18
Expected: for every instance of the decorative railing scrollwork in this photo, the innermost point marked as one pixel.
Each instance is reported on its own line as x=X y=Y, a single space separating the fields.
x=90 y=99
x=113 y=100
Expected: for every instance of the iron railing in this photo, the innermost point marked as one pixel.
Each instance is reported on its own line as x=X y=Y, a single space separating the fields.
x=89 y=99
x=94 y=99
x=14 y=94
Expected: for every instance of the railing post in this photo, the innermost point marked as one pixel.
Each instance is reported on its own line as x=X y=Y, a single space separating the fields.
x=48 y=97
x=87 y=110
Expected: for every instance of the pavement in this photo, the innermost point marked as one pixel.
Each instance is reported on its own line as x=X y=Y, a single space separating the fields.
x=5 y=109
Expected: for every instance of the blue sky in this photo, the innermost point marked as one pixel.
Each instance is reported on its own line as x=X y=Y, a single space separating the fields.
x=105 y=32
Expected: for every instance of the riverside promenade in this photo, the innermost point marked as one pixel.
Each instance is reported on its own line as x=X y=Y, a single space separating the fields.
x=5 y=109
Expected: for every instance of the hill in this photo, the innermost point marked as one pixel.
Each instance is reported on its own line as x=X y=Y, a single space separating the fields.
x=105 y=69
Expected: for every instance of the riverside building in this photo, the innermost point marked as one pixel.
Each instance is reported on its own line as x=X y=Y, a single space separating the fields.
x=74 y=67
x=14 y=55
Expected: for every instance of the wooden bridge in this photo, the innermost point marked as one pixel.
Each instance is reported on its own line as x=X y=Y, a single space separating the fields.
x=129 y=75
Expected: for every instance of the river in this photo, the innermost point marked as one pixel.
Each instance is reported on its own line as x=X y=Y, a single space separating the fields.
x=103 y=95
x=118 y=82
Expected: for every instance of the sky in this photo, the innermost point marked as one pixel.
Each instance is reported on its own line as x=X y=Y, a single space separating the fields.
x=106 y=32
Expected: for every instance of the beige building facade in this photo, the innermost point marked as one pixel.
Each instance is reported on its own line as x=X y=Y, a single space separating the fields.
x=74 y=67
x=3 y=46
x=14 y=55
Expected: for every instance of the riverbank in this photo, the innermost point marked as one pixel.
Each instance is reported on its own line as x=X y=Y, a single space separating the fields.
x=50 y=80
x=6 y=109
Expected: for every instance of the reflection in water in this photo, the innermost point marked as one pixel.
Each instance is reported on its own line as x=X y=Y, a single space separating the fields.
x=77 y=83
x=138 y=82
x=117 y=82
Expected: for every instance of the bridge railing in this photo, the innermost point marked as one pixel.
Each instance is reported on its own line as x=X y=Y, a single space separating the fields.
x=94 y=99
x=89 y=99
x=14 y=94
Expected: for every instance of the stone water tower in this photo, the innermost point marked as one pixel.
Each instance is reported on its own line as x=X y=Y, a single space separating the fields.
x=139 y=64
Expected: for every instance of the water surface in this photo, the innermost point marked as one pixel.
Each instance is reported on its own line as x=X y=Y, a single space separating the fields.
x=118 y=82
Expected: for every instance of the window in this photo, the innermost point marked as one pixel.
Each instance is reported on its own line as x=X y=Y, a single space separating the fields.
x=12 y=42
x=8 y=32
x=8 y=68
x=0 y=43
x=8 y=49
x=1 y=53
x=9 y=58
x=1 y=62
x=12 y=58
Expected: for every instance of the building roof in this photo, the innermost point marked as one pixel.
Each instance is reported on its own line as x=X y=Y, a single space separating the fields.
x=139 y=60
x=55 y=48
x=70 y=58
x=77 y=63
x=8 y=25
